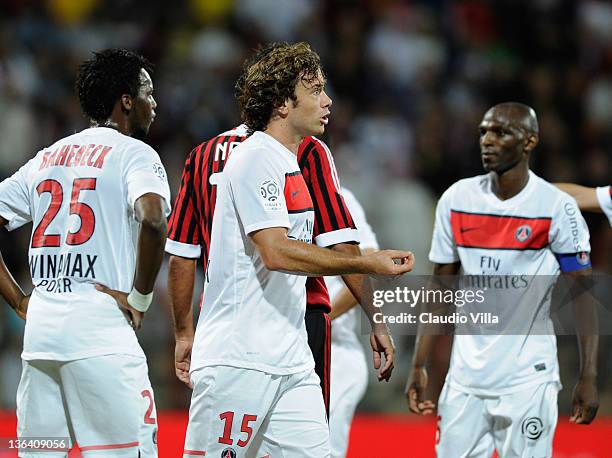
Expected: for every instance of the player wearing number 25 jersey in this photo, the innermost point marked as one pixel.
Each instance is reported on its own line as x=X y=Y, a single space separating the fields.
x=85 y=195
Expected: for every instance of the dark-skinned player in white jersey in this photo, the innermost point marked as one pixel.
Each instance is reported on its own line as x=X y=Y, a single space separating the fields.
x=501 y=390
x=90 y=197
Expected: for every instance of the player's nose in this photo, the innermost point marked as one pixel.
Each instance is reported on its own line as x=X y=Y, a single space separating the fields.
x=327 y=101
x=486 y=139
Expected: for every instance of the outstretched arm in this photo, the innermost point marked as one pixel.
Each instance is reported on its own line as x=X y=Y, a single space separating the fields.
x=585 y=196
x=352 y=294
x=281 y=253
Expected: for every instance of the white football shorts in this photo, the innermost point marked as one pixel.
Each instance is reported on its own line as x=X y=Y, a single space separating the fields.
x=238 y=412
x=103 y=403
x=520 y=424
x=349 y=380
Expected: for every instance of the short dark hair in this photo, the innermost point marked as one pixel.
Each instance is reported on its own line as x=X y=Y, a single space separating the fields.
x=104 y=78
x=270 y=77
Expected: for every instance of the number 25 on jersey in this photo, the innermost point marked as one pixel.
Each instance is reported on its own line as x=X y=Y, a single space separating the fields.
x=40 y=237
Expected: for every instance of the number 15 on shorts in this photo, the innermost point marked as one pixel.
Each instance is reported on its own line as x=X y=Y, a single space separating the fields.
x=245 y=429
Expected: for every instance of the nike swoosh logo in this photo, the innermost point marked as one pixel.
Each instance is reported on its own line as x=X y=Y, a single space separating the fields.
x=467 y=229
x=294 y=193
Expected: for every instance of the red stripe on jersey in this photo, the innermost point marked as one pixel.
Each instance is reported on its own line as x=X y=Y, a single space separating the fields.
x=297 y=197
x=475 y=230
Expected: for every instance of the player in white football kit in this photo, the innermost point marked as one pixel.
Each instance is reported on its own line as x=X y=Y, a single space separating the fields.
x=349 y=376
x=84 y=373
x=255 y=392
x=590 y=199
x=501 y=390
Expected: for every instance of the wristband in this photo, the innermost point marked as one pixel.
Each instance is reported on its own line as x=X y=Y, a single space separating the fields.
x=139 y=301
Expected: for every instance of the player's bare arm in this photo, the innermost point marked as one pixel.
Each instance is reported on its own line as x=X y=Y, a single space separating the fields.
x=148 y=210
x=585 y=399
x=380 y=337
x=343 y=302
x=585 y=197
x=280 y=253
x=10 y=290
x=181 y=279
x=416 y=387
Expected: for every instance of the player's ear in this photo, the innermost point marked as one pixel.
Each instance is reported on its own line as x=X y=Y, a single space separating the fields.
x=531 y=142
x=126 y=103
x=283 y=110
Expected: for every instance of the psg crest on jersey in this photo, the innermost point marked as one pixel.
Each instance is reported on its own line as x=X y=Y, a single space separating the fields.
x=523 y=233
x=228 y=453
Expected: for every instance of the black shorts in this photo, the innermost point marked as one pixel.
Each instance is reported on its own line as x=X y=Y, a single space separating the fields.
x=318 y=327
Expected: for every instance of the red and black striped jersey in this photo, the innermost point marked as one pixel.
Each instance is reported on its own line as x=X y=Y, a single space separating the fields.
x=190 y=224
x=333 y=221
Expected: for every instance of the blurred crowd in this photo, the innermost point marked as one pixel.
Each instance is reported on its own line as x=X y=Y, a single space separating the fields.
x=410 y=81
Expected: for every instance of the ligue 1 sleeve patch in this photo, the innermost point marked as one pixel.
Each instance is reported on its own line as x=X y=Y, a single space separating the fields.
x=269 y=193
x=160 y=172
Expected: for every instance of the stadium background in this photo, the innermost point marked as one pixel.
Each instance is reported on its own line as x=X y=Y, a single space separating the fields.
x=410 y=81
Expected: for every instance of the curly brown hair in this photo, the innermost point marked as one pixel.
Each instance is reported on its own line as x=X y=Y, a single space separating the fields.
x=269 y=78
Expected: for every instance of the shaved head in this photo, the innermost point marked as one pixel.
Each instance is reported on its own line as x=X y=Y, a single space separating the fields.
x=508 y=134
x=517 y=115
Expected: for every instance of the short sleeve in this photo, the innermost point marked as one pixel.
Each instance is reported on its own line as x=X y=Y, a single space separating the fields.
x=604 y=196
x=443 y=247
x=366 y=234
x=256 y=188
x=333 y=220
x=15 y=205
x=569 y=236
x=144 y=173
x=184 y=225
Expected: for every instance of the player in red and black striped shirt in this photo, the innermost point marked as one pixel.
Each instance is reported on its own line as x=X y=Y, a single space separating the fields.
x=189 y=237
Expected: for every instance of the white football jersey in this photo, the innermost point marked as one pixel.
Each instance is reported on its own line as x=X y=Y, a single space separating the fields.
x=79 y=193
x=344 y=327
x=525 y=240
x=252 y=317
x=604 y=196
